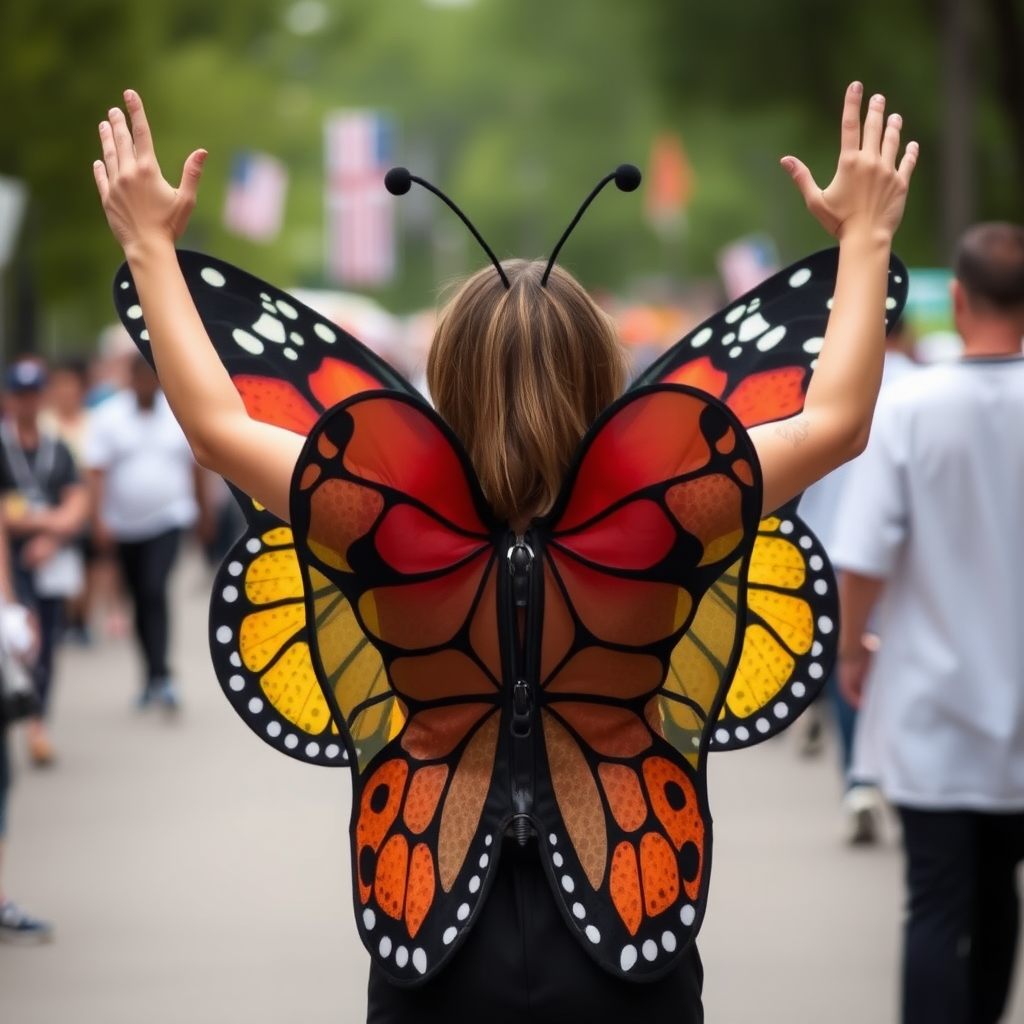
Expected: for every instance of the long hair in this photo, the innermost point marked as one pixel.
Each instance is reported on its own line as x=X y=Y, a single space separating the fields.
x=520 y=374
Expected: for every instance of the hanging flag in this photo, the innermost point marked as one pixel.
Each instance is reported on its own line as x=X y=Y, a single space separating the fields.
x=670 y=183
x=358 y=149
x=745 y=263
x=254 y=206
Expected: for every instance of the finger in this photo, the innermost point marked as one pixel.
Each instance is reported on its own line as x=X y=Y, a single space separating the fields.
x=909 y=161
x=109 y=150
x=873 y=121
x=99 y=172
x=850 y=138
x=190 y=175
x=122 y=139
x=141 y=134
x=802 y=177
x=891 y=140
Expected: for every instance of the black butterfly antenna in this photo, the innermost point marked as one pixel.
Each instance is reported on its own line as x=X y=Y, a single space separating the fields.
x=398 y=181
x=627 y=178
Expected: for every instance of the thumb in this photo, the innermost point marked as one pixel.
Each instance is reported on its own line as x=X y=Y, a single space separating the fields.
x=190 y=175
x=802 y=177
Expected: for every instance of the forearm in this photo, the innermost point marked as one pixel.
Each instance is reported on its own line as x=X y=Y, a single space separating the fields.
x=198 y=388
x=844 y=387
x=858 y=596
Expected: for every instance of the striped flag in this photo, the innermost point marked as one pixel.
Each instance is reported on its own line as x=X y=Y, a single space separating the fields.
x=254 y=206
x=358 y=148
x=745 y=263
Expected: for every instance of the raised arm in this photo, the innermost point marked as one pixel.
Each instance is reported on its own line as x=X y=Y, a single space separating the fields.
x=862 y=207
x=147 y=216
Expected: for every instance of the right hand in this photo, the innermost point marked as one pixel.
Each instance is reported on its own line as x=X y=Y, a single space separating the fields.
x=140 y=204
x=868 y=191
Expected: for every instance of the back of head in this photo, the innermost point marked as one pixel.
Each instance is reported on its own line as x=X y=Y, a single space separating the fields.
x=520 y=374
x=989 y=264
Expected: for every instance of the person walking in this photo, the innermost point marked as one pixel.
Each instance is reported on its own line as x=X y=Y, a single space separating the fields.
x=45 y=505
x=862 y=805
x=932 y=538
x=146 y=492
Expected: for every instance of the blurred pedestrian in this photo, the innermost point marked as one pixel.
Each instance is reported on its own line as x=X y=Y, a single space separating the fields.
x=66 y=416
x=147 y=490
x=16 y=638
x=933 y=538
x=45 y=506
x=819 y=508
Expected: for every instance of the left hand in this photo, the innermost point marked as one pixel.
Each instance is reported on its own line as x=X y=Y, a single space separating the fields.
x=853 y=671
x=38 y=550
x=140 y=204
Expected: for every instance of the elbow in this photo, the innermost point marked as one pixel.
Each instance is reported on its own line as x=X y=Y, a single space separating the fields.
x=204 y=454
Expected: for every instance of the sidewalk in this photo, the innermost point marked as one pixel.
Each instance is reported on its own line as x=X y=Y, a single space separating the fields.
x=196 y=877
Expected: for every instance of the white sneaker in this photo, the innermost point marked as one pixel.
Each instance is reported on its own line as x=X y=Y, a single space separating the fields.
x=862 y=809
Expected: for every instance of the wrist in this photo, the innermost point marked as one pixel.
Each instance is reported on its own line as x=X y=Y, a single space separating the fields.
x=148 y=248
x=857 y=233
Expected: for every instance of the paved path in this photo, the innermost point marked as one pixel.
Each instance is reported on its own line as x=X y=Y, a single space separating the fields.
x=196 y=877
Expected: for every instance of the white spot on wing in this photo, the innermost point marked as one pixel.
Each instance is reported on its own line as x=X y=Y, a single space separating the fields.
x=312 y=749
x=271 y=328
x=650 y=950
x=213 y=277
x=256 y=705
x=771 y=339
x=687 y=915
x=223 y=634
x=800 y=277
x=369 y=919
x=627 y=958
x=449 y=936
x=813 y=345
x=244 y=340
x=734 y=314
x=134 y=312
x=291 y=741
x=579 y=911
x=401 y=956
x=273 y=729
x=324 y=333
x=419 y=960
x=702 y=337
x=752 y=327
x=230 y=594
x=825 y=624
x=385 y=946
x=332 y=750
x=237 y=683
x=463 y=912
x=287 y=309
x=593 y=934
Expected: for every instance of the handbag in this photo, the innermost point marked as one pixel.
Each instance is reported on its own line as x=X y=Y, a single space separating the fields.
x=18 y=697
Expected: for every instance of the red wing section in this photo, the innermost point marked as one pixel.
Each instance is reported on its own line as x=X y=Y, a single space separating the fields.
x=664 y=500
x=386 y=511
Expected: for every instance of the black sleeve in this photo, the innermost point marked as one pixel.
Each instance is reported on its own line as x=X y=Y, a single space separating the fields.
x=64 y=472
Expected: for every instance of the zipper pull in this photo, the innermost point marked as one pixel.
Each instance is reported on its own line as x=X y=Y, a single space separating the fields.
x=522 y=706
x=520 y=568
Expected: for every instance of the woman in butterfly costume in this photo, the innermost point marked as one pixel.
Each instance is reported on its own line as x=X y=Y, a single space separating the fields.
x=524 y=619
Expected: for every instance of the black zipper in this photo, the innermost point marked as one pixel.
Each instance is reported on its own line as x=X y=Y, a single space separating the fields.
x=521 y=603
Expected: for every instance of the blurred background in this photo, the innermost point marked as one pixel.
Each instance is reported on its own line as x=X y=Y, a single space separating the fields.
x=515 y=107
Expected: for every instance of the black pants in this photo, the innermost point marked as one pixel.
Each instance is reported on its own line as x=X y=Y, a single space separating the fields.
x=146 y=565
x=521 y=963
x=49 y=613
x=963 y=914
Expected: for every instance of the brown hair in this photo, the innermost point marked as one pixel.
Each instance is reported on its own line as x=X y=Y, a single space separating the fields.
x=520 y=374
x=989 y=263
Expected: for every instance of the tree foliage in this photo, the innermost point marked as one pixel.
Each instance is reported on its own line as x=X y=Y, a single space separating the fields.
x=513 y=106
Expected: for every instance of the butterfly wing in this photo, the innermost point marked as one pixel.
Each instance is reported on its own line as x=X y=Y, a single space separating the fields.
x=662 y=506
x=757 y=355
x=289 y=365
x=387 y=511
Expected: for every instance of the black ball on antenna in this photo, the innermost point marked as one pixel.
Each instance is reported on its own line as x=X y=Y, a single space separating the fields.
x=628 y=177
x=398 y=181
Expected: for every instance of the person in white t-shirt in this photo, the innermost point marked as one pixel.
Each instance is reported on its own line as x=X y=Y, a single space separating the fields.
x=935 y=539
x=146 y=493
x=819 y=508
